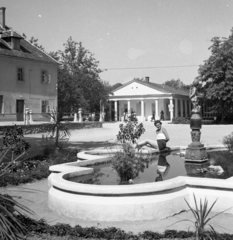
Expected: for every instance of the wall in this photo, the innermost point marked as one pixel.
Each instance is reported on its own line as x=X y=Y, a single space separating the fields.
x=31 y=90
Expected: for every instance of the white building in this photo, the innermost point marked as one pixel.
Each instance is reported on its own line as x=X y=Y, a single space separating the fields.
x=144 y=97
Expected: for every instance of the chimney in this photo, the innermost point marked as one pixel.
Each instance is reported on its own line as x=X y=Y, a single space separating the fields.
x=2 y=16
x=147 y=79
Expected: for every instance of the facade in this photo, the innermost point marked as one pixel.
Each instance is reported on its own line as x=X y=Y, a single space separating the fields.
x=28 y=77
x=145 y=97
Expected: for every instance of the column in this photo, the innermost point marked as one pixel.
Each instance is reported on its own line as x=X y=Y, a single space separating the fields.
x=176 y=107
x=75 y=117
x=30 y=116
x=110 y=111
x=171 y=109
x=115 y=110
x=142 y=110
x=187 y=108
x=156 y=109
x=129 y=106
x=181 y=108
x=80 y=118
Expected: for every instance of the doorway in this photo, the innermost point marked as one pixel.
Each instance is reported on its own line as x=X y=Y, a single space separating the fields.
x=19 y=110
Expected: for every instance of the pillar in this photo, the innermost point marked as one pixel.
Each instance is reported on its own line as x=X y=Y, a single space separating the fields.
x=75 y=117
x=30 y=116
x=176 y=107
x=129 y=106
x=156 y=109
x=181 y=108
x=187 y=108
x=142 y=109
x=115 y=109
x=80 y=118
x=110 y=111
x=27 y=116
x=171 y=109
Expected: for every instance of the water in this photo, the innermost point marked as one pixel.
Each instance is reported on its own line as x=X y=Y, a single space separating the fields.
x=163 y=167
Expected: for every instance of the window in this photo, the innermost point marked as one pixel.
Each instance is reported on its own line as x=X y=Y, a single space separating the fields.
x=45 y=78
x=45 y=107
x=1 y=103
x=20 y=74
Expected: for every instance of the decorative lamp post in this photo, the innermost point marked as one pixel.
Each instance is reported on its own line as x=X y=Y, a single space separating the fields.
x=195 y=151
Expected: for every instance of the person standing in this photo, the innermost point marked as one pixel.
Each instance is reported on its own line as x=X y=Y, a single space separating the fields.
x=162 y=115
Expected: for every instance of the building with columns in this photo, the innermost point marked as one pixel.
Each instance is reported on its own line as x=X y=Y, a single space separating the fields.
x=145 y=97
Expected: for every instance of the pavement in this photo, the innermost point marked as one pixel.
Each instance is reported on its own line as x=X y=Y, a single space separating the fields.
x=35 y=195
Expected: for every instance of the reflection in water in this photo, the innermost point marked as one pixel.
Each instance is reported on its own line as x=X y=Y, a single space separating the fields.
x=162 y=167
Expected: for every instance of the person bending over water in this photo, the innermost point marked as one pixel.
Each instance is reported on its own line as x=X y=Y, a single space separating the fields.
x=162 y=138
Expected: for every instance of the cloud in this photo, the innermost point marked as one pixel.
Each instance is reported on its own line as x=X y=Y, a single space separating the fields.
x=39 y=15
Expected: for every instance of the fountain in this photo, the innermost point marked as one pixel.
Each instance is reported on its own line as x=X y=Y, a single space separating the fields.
x=137 y=202
x=195 y=152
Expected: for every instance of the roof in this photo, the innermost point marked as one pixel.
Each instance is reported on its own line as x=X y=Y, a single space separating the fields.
x=160 y=87
x=27 y=50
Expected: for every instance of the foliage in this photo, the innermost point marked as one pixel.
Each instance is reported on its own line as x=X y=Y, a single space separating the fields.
x=79 y=84
x=10 y=227
x=13 y=143
x=127 y=164
x=35 y=168
x=228 y=142
x=186 y=120
x=130 y=131
x=202 y=218
x=57 y=128
x=41 y=228
x=177 y=84
x=216 y=76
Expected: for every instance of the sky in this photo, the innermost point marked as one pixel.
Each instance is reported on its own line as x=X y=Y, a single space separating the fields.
x=161 y=39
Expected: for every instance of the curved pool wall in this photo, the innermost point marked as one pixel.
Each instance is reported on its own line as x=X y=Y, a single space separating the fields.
x=147 y=201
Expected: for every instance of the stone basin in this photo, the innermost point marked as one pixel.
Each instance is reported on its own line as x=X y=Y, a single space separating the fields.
x=147 y=201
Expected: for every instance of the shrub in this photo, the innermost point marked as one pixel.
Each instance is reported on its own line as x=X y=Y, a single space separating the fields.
x=127 y=164
x=228 y=142
x=130 y=131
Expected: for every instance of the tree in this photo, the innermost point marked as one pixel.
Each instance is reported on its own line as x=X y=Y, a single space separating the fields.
x=79 y=84
x=34 y=41
x=177 y=84
x=216 y=76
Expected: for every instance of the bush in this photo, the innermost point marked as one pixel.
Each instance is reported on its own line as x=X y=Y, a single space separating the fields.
x=228 y=142
x=127 y=164
x=186 y=120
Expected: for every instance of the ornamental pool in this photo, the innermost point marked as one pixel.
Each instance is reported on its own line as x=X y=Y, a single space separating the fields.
x=163 y=167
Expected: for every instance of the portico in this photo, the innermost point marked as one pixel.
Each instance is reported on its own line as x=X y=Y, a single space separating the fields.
x=144 y=98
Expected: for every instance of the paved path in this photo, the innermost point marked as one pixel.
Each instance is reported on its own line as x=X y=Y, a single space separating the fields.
x=36 y=199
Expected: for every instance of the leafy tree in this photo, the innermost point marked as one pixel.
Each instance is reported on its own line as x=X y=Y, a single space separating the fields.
x=216 y=76
x=34 y=41
x=79 y=84
x=177 y=84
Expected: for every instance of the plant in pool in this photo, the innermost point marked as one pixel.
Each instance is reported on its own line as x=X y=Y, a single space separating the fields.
x=130 y=131
x=228 y=142
x=127 y=164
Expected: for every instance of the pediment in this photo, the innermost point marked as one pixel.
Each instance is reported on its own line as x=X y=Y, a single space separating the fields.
x=136 y=88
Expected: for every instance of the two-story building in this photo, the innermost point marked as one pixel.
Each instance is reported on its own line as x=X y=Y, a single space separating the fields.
x=28 y=76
